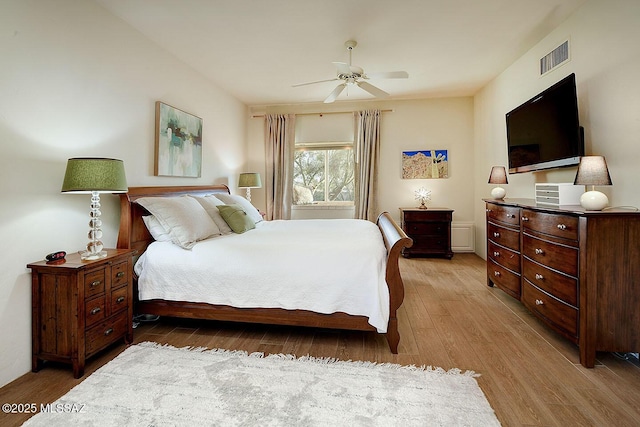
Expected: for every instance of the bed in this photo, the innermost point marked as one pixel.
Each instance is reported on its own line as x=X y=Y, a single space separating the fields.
x=134 y=234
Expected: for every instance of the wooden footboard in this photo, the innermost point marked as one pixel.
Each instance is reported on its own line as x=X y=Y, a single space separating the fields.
x=134 y=235
x=395 y=240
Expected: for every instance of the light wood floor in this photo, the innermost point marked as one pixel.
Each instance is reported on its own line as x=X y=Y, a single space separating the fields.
x=451 y=319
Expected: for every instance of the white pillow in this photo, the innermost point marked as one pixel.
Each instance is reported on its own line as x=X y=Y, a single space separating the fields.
x=210 y=203
x=231 y=199
x=182 y=217
x=156 y=229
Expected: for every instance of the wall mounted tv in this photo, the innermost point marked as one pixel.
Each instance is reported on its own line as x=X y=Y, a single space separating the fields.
x=544 y=132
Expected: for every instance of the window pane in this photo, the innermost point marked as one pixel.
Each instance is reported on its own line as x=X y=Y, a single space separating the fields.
x=323 y=175
x=340 y=175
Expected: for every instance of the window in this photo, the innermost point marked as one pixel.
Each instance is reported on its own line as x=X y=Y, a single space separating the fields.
x=323 y=173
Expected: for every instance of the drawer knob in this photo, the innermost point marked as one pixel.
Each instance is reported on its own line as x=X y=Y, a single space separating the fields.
x=539 y=251
x=108 y=332
x=95 y=283
x=562 y=227
x=120 y=274
x=496 y=273
x=539 y=276
x=96 y=311
x=496 y=253
x=539 y=302
x=510 y=215
x=496 y=234
x=524 y=218
x=119 y=300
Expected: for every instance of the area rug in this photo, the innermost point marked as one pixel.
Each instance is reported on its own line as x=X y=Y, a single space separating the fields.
x=153 y=385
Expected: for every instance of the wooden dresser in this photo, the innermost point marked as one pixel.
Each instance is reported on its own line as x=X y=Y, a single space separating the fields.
x=80 y=307
x=578 y=271
x=430 y=230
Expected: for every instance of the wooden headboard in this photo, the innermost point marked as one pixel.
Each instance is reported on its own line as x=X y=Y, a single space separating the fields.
x=133 y=233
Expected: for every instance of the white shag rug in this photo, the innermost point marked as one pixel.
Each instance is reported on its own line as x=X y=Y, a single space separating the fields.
x=153 y=385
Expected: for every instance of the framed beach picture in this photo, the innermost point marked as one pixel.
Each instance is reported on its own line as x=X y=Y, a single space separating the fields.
x=178 y=143
x=422 y=164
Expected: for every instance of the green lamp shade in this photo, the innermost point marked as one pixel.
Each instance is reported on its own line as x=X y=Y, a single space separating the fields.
x=249 y=180
x=91 y=174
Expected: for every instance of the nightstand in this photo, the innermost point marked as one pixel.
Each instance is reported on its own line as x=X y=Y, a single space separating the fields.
x=80 y=307
x=430 y=230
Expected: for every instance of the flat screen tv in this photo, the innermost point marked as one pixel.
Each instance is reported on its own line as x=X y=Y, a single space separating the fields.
x=544 y=132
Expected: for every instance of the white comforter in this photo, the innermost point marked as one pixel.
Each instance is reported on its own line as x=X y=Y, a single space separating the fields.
x=324 y=266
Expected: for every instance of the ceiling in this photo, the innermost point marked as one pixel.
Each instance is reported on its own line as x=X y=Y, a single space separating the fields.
x=256 y=50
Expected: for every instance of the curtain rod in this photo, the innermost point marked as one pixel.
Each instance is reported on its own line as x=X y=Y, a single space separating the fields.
x=319 y=113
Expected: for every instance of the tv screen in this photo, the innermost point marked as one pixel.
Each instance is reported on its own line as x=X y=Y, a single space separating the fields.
x=544 y=132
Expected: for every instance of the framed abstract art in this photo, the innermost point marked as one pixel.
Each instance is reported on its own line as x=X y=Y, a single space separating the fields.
x=178 y=142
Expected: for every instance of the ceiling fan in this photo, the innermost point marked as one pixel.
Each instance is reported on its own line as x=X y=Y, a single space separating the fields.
x=352 y=75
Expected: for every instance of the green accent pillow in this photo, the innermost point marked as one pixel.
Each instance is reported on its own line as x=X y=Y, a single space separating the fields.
x=236 y=218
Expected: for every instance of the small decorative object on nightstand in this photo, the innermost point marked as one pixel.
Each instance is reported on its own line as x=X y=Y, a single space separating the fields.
x=430 y=230
x=79 y=307
x=423 y=195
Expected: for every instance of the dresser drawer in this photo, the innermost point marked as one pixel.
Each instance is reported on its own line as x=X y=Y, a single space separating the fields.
x=94 y=283
x=430 y=243
x=503 y=256
x=563 y=287
x=426 y=215
x=119 y=299
x=427 y=228
x=105 y=333
x=558 y=225
x=119 y=274
x=95 y=310
x=557 y=314
x=504 y=236
x=505 y=279
x=555 y=256
x=505 y=214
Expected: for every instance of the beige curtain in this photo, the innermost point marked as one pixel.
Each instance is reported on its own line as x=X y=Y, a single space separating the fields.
x=279 y=131
x=367 y=157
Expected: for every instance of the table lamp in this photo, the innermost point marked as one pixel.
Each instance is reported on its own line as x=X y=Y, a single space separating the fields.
x=498 y=176
x=91 y=175
x=593 y=171
x=249 y=181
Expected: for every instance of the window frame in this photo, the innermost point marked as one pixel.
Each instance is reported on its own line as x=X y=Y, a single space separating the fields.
x=327 y=145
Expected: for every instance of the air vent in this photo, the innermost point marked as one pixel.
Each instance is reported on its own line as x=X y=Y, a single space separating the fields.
x=554 y=58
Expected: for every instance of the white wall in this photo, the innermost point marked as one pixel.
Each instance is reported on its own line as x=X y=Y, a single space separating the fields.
x=605 y=56
x=441 y=123
x=77 y=81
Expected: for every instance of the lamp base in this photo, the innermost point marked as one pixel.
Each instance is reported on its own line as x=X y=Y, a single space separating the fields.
x=88 y=256
x=594 y=200
x=498 y=193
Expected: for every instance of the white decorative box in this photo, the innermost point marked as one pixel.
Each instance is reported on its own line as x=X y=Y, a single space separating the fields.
x=556 y=194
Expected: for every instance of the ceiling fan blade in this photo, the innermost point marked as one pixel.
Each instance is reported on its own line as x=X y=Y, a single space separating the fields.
x=333 y=95
x=312 y=83
x=379 y=93
x=389 y=75
x=343 y=68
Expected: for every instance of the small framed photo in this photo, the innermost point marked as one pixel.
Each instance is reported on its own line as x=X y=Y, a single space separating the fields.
x=178 y=143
